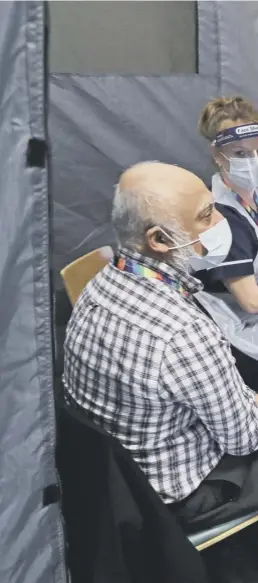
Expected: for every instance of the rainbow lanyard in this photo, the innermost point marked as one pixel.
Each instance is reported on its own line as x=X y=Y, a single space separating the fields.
x=253 y=214
x=131 y=266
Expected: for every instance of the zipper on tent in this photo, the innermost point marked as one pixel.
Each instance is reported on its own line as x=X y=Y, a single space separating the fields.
x=38 y=157
x=53 y=492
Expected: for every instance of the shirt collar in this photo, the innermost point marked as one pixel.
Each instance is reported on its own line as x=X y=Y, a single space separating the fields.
x=188 y=282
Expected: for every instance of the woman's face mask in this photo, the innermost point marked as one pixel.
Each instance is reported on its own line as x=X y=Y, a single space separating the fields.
x=217 y=241
x=243 y=172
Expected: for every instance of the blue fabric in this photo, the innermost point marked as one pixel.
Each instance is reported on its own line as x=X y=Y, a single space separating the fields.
x=244 y=246
x=234 y=134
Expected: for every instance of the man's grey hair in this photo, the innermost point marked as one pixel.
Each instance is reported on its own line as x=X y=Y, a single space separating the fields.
x=133 y=215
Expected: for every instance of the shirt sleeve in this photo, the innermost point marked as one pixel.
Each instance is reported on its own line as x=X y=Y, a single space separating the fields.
x=199 y=371
x=244 y=247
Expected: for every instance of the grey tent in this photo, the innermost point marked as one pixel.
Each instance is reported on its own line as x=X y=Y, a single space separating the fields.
x=126 y=83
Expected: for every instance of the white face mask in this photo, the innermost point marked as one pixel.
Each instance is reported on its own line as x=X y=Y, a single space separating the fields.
x=217 y=241
x=243 y=172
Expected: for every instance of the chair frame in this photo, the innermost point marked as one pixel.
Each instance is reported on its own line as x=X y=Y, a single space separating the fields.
x=207 y=538
x=89 y=264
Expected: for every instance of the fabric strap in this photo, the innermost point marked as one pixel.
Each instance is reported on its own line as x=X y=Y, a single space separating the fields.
x=132 y=266
x=253 y=214
x=236 y=133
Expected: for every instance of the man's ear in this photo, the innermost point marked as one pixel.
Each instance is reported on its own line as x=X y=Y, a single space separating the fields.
x=157 y=241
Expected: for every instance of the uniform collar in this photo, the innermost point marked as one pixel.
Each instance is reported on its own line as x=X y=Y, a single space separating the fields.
x=221 y=189
x=188 y=282
x=223 y=194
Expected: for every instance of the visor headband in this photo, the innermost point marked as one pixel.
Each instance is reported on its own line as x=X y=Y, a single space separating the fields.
x=225 y=137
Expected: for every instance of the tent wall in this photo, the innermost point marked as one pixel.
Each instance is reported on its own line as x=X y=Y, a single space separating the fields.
x=238 y=46
x=31 y=542
x=102 y=123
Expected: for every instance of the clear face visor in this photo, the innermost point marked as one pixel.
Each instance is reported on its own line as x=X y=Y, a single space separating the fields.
x=238 y=146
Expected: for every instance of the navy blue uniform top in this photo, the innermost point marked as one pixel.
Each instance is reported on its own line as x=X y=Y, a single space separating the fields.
x=244 y=246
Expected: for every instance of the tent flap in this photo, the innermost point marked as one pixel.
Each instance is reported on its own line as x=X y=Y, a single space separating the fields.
x=32 y=547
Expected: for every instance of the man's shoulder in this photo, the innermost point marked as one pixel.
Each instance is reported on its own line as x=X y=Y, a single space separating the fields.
x=151 y=305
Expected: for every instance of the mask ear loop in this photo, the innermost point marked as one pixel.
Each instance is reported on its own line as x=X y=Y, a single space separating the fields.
x=236 y=158
x=177 y=246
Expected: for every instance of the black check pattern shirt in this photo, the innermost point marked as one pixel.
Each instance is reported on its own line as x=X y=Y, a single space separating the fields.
x=151 y=368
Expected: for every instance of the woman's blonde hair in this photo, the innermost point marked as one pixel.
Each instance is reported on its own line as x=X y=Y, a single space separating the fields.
x=222 y=109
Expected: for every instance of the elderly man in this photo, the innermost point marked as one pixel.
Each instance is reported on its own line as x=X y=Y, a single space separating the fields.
x=148 y=365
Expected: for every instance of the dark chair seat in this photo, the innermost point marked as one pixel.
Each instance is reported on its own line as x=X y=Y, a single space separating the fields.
x=200 y=540
x=118 y=530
